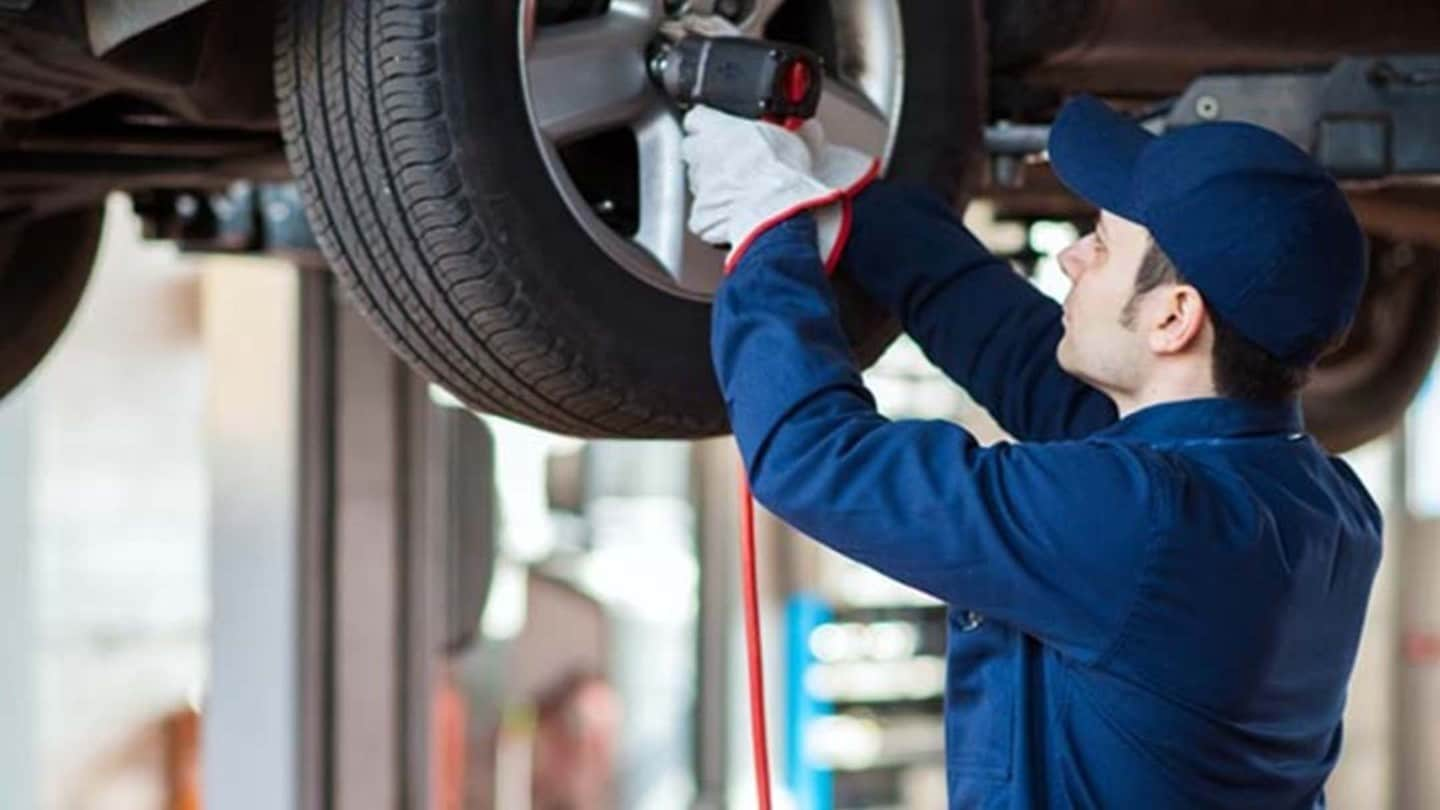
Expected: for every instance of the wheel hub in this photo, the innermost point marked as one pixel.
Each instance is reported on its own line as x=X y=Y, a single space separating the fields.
x=610 y=139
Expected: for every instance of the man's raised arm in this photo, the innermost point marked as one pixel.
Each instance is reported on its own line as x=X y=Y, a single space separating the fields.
x=986 y=327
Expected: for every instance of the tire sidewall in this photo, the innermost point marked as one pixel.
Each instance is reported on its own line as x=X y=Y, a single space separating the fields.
x=632 y=335
x=639 y=335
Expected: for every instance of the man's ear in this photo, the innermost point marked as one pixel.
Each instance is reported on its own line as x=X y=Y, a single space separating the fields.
x=1179 y=319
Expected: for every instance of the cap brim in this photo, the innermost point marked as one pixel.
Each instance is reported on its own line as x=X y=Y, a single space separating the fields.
x=1093 y=150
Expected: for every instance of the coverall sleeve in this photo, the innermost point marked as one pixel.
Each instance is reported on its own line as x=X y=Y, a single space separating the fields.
x=987 y=328
x=1046 y=537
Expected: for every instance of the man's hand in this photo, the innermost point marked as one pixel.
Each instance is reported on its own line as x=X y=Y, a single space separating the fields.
x=841 y=168
x=746 y=176
x=837 y=166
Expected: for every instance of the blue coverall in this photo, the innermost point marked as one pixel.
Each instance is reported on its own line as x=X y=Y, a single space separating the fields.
x=1156 y=612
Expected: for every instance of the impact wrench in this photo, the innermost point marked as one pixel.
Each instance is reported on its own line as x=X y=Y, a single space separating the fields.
x=780 y=83
x=752 y=78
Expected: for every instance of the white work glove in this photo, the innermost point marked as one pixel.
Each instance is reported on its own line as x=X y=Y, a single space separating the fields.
x=845 y=170
x=746 y=176
x=837 y=168
x=709 y=25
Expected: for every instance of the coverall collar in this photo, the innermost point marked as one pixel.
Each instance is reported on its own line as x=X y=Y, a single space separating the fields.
x=1209 y=418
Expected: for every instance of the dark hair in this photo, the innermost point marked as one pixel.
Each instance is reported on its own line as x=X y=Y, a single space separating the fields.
x=1242 y=369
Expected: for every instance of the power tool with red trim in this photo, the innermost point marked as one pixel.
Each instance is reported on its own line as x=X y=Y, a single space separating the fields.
x=752 y=78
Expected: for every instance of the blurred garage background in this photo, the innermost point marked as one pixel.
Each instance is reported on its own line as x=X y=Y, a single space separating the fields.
x=250 y=561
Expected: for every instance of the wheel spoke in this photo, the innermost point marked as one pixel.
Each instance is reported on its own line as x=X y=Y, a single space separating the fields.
x=589 y=75
x=664 y=200
x=852 y=119
x=665 y=205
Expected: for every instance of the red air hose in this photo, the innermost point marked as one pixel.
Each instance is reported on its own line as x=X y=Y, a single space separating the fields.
x=752 y=642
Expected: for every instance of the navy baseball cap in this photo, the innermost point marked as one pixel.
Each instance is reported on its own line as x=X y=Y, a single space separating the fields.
x=1247 y=217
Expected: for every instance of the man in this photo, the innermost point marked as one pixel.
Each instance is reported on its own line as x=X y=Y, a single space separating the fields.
x=1157 y=594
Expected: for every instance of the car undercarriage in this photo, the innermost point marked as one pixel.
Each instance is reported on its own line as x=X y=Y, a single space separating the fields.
x=499 y=185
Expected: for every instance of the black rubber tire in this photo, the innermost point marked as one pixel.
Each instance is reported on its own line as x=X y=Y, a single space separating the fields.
x=405 y=124
x=44 y=267
x=1361 y=391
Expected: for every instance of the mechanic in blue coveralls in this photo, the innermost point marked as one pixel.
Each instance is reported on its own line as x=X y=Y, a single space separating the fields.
x=1156 y=593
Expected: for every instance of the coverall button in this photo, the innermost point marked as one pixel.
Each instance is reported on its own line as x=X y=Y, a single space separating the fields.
x=969 y=620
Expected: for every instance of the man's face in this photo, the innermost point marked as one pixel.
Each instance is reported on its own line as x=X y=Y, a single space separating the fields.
x=1101 y=345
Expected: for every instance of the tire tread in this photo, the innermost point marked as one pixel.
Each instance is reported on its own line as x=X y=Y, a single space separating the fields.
x=361 y=106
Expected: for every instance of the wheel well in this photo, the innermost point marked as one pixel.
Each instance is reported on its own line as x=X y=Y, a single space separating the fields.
x=188 y=101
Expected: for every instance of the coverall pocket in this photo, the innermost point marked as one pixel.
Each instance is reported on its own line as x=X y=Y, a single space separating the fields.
x=980 y=693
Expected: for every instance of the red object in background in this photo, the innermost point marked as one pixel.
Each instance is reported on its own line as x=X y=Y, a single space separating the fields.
x=575 y=742
x=182 y=759
x=449 y=713
x=1422 y=648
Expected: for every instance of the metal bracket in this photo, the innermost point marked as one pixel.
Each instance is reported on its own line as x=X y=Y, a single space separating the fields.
x=1365 y=118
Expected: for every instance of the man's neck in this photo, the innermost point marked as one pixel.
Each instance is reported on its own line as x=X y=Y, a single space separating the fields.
x=1174 y=388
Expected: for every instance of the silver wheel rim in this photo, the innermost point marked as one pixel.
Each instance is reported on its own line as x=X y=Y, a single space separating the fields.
x=588 y=76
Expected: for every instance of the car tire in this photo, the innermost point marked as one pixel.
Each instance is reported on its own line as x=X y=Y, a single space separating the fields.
x=1362 y=390
x=45 y=265
x=406 y=125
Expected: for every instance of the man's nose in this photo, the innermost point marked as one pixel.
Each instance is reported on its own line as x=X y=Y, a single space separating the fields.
x=1072 y=261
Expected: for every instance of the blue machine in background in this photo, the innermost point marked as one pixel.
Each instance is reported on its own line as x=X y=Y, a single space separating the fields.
x=810 y=784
